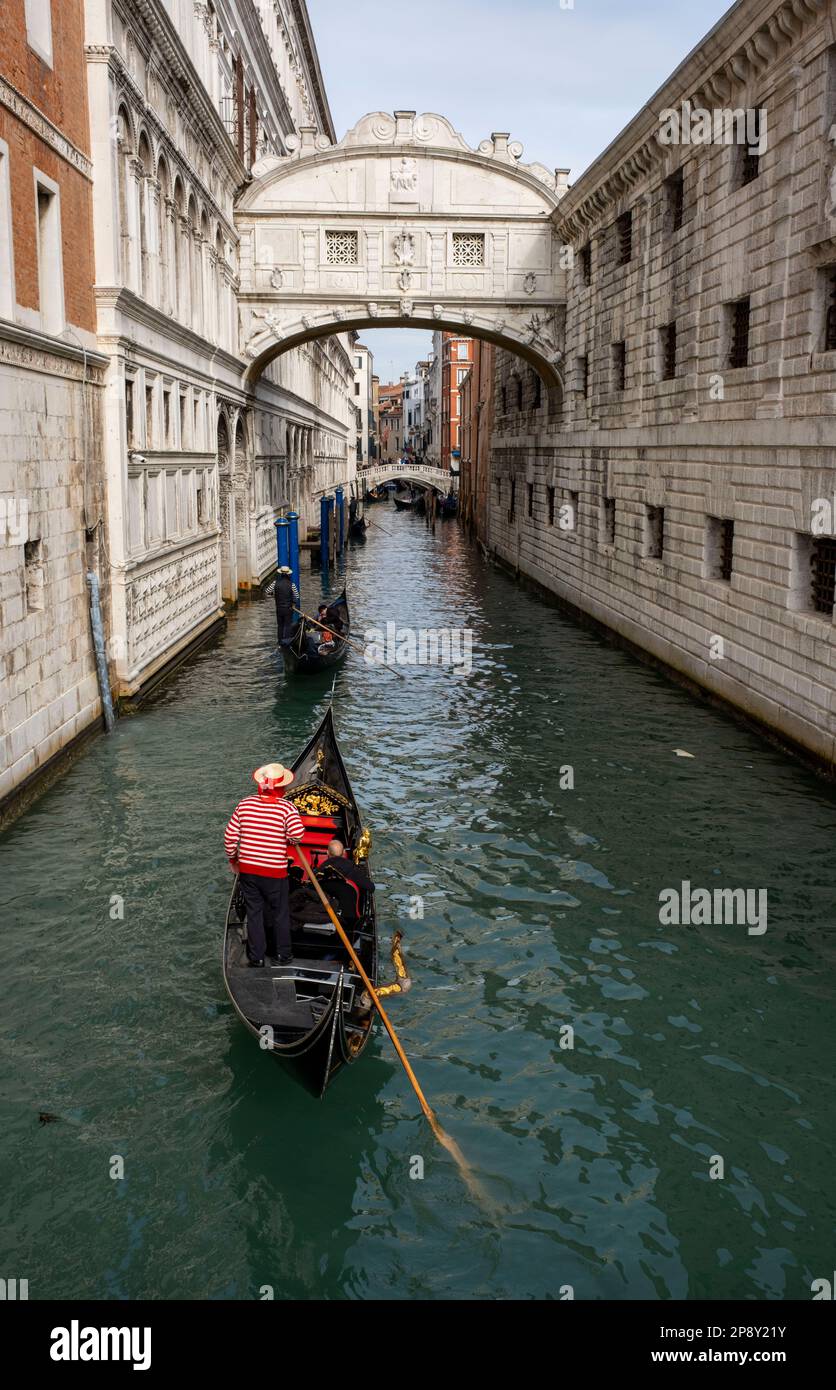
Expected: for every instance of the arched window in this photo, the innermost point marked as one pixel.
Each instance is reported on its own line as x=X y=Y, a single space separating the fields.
x=220 y=292
x=208 y=321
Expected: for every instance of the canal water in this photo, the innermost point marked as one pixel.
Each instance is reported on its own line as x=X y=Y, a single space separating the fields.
x=692 y=1044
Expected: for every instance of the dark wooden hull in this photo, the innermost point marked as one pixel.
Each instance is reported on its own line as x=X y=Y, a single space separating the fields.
x=404 y=504
x=335 y=1034
x=299 y=661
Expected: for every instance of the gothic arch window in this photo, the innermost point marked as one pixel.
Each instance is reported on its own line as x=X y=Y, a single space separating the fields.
x=179 y=262
x=193 y=266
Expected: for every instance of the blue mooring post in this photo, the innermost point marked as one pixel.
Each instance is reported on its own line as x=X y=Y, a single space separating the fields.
x=293 y=547
x=282 y=541
x=324 y=516
x=340 y=496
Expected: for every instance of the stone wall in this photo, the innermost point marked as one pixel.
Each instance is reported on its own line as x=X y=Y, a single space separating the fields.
x=676 y=493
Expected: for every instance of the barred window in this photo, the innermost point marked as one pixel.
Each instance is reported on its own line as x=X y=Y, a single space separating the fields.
x=468 y=248
x=619 y=366
x=823 y=575
x=830 y=312
x=342 y=248
x=675 y=195
x=624 y=238
x=739 y=313
x=667 y=335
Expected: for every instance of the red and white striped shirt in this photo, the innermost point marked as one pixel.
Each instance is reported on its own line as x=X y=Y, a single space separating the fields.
x=257 y=834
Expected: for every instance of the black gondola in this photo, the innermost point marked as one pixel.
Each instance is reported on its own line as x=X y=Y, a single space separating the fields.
x=421 y=504
x=449 y=504
x=405 y=502
x=307 y=651
x=357 y=530
x=315 y=1013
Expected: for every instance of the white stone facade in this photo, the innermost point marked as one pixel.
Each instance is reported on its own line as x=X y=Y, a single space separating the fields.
x=676 y=493
x=184 y=98
x=363 y=361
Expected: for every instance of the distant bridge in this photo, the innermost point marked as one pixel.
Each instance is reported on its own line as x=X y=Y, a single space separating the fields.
x=422 y=473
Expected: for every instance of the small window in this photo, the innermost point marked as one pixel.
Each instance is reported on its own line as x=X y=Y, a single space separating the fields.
x=654 y=532
x=583 y=375
x=33 y=576
x=183 y=420
x=586 y=263
x=536 y=391
x=608 y=520
x=667 y=339
x=149 y=417
x=829 y=276
x=748 y=158
x=342 y=248
x=503 y=396
x=823 y=574
x=530 y=487
x=624 y=238
x=468 y=249
x=551 y=505
x=719 y=548
x=167 y=418
x=738 y=316
x=129 y=412
x=519 y=393
x=619 y=366
x=39 y=28
x=50 y=273
x=356 y=388
x=675 y=201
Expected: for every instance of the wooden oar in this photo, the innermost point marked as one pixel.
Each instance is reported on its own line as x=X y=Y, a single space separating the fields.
x=349 y=640
x=375 y=522
x=443 y=1138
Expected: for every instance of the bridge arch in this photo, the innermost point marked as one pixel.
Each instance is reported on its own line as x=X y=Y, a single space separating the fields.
x=401 y=225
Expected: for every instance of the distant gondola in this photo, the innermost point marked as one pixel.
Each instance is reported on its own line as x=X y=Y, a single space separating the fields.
x=449 y=504
x=405 y=502
x=421 y=504
x=314 y=1012
x=357 y=530
x=305 y=657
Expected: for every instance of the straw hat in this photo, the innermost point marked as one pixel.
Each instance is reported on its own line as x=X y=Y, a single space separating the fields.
x=285 y=569
x=272 y=776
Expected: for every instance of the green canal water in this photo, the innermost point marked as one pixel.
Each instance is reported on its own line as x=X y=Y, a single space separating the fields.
x=541 y=910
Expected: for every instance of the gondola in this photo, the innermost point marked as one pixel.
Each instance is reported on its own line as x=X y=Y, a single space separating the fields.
x=357 y=530
x=405 y=503
x=313 y=1015
x=421 y=504
x=449 y=504
x=297 y=654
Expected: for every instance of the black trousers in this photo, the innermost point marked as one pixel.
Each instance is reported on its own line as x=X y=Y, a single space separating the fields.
x=284 y=623
x=268 y=918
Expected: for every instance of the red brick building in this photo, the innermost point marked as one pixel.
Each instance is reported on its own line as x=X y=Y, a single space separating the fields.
x=391 y=422
x=456 y=361
x=477 y=412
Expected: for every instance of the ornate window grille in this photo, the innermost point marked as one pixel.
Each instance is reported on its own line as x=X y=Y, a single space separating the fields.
x=624 y=237
x=468 y=248
x=342 y=248
x=830 y=314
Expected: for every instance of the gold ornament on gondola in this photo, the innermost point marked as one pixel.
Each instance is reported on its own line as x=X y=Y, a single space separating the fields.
x=317 y=800
x=364 y=845
x=403 y=984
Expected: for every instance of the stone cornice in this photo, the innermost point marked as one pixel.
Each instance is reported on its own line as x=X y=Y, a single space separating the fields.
x=26 y=347
x=737 y=52
x=300 y=14
x=45 y=129
x=116 y=297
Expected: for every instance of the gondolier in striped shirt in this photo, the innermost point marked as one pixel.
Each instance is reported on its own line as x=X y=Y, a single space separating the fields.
x=256 y=841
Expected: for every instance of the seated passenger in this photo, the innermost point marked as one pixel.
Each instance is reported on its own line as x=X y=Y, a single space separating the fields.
x=345 y=880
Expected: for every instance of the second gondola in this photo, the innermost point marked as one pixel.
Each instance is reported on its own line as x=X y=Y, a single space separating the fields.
x=311 y=650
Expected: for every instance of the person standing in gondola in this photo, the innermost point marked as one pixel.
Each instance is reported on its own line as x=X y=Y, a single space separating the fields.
x=256 y=841
x=287 y=598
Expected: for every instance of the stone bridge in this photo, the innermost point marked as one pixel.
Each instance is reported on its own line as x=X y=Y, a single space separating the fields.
x=422 y=473
x=402 y=225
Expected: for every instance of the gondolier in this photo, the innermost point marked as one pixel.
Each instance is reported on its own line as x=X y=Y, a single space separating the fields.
x=256 y=841
x=287 y=598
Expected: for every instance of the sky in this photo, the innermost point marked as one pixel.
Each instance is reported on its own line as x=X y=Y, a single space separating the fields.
x=564 y=78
